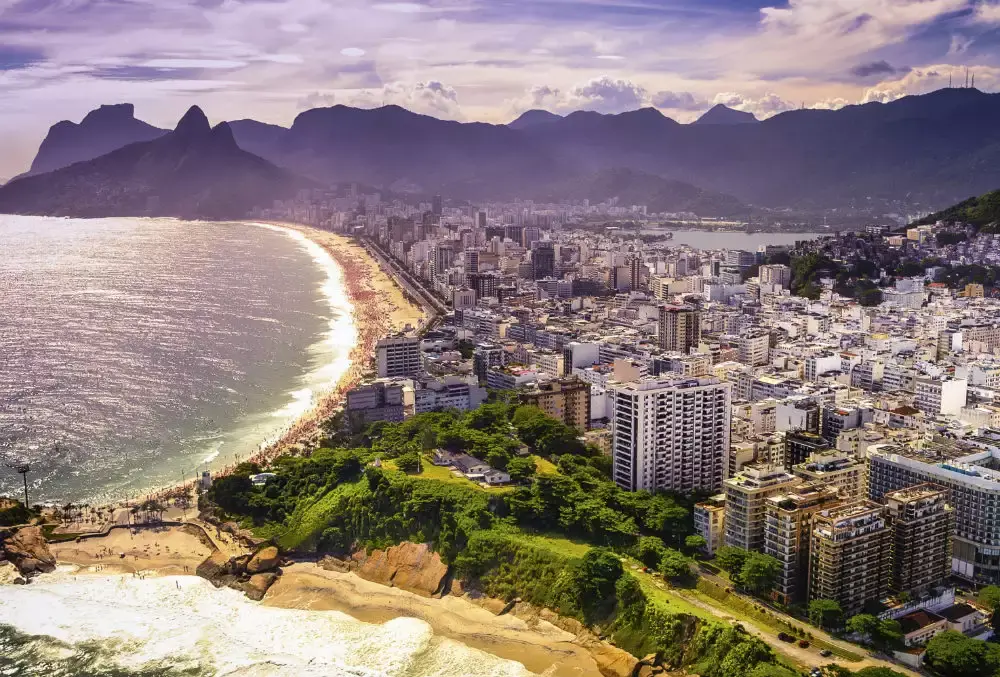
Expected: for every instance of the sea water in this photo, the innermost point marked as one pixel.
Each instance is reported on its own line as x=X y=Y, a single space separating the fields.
x=136 y=353
x=64 y=625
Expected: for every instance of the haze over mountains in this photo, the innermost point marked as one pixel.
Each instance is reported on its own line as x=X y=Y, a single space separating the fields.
x=930 y=150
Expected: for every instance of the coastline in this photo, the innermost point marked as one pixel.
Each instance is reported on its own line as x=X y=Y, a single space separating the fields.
x=542 y=648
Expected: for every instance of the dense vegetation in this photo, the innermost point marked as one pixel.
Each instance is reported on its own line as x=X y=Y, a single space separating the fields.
x=13 y=513
x=982 y=211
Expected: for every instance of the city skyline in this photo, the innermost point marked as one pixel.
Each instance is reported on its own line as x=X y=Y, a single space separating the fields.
x=471 y=60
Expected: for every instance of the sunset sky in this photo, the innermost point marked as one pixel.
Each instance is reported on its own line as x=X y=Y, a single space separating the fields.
x=473 y=59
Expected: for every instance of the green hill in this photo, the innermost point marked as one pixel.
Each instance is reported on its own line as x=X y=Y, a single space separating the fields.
x=983 y=212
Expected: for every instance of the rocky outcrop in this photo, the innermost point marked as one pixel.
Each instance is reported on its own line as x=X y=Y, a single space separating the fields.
x=612 y=661
x=265 y=559
x=252 y=575
x=413 y=567
x=27 y=550
x=259 y=584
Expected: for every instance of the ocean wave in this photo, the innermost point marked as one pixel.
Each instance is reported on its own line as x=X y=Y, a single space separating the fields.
x=181 y=625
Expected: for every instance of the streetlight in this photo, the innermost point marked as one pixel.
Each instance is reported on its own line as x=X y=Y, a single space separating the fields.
x=23 y=470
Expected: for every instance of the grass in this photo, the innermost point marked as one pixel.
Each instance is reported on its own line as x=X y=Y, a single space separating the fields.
x=558 y=544
x=429 y=471
x=544 y=466
x=738 y=607
x=309 y=520
x=47 y=532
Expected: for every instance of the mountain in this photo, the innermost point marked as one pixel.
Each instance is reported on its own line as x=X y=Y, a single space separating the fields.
x=657 y=193
x=978 y=211
x=919 y=152
x=103 y=130
x=720 y=114
x=193 y=171
x=533 y=117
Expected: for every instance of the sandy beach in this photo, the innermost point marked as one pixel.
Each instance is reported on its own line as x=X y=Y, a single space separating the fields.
x=542 y=648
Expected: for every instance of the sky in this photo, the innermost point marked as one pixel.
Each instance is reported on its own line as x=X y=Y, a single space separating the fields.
x=485 y=60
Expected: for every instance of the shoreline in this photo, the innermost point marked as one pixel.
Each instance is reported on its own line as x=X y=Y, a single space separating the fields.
x=542 y=648
x=379 y=307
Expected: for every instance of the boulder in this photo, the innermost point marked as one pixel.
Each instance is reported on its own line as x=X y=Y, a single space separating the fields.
x=408 y=566
x=645 y=671
x=8 y=573
x=258 y=585
x=216 y=569
x=29 y=552
x=613 y=662
x=265 y=559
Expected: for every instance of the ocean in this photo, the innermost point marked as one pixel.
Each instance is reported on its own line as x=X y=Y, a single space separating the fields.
x=62 y=625
x=135 y=353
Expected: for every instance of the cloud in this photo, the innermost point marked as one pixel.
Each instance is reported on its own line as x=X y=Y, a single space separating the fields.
x=988 y=12
x=927 y=79
x=607 y=95
x=431 y=98
x=352 y=51
x=678 y=101
x=763 y=106
x=880 y=68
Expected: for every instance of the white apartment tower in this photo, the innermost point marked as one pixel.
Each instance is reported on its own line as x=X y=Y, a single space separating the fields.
x=670 y=434
x=398 y=356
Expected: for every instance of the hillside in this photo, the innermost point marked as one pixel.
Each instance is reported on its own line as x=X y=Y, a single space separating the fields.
x=194 y=171
x=979 y=211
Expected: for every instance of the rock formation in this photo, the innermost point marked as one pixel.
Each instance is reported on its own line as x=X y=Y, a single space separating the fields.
x=413 y=567
x=27 y=550
x=253 y=575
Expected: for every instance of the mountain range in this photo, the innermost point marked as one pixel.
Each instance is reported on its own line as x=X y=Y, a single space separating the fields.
x=924 y=151
x=194 y=171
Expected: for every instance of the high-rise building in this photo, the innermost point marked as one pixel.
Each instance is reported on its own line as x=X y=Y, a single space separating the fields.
x=567 y=400
x=709 y=522
x=776 y=274
x=437 y=205
x=972 y=482
x=670 y=434
x=634 y=264
x=754 y=347
x=800 y=445
x=746 y=497
x=840 y=470
x=398 y=356
x=941 y=396
x=444 y=256
x=471 y=261
x=484 y=284
x=679 y=328
x=543 y=260
x=787 y=535
x=922 y=524
x=850 y=556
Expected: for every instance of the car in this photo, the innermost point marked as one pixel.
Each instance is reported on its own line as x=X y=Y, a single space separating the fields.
x=825 y=653
x=803 y=644
x=785 y=637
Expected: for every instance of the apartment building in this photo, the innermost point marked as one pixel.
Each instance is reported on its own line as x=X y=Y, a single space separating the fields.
x=787 y=535
x=800 y=445
x=941 y=396
x=398 y=356
x=754 y=347
x=922 y=524
x=566 y=399
x=709 y=522
x=746 y=497
x=842 y=471
x=679 y=328
x=971 y=478
x=849 y=559
x=670 y=434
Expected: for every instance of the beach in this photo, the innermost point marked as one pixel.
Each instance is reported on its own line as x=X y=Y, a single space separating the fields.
x=176 y=551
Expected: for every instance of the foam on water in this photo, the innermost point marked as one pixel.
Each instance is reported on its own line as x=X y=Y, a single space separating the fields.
x=184 y=622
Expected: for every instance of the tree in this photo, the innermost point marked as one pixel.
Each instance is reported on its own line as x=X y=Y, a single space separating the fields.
x=731 y=559
x=952 y=654
x=825 y=613
x=863 y=624
x=597 y=575
x=409 y=462
x=989 y=597
x=521 y=468
x=674 y=564
x=650 y=550
x=878 y=672
x=773 y=670
x=744 y=657
x=695 y=543
x=759 y=572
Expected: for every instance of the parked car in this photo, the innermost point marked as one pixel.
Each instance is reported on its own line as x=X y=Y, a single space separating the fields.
x=825 y=653
x=785 y=637
x=803 y=644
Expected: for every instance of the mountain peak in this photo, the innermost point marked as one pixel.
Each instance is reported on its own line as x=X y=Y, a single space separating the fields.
x=721 y=114
x=533 y=117
x=113 y=113
x=194 y=122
